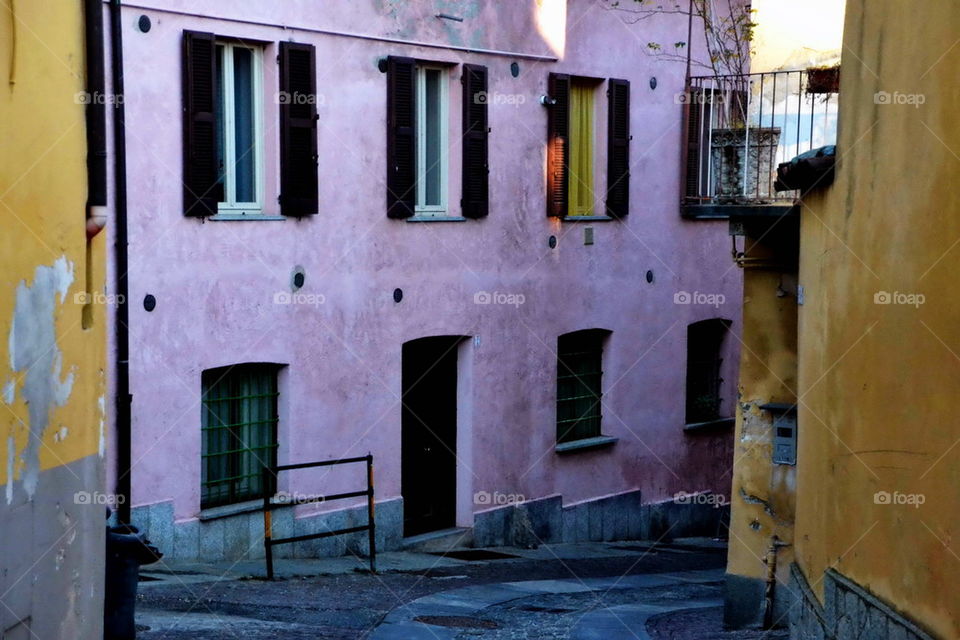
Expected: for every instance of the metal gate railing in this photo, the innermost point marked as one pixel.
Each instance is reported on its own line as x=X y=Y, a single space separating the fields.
x=271 y=474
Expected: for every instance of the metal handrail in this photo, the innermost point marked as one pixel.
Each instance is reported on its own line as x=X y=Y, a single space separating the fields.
x=269 y=541
x=742 y=126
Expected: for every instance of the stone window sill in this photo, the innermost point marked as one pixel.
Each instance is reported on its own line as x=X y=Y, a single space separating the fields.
x=436 y=219
x=234 y=217
x=586 y=444
x=720 y=424
x=587 y=218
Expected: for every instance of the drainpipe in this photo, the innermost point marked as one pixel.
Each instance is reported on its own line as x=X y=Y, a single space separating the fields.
x=96 y=119
x=771 y=562
x=123 y=398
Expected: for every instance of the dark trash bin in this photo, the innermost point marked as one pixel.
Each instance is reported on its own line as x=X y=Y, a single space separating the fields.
x=127 y=549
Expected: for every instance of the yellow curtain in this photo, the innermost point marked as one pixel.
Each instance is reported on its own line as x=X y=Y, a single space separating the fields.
x=580 y=163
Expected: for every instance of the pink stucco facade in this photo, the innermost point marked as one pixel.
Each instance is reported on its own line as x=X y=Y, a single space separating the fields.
x=215 y=282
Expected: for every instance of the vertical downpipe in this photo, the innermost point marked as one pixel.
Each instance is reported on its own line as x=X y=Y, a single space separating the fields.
x=96 y=123
x=123 y=398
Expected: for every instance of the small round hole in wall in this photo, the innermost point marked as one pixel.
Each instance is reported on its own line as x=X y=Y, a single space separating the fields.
x=650 y=277
x=149 y=302
x=397 y=295
x=552 y=242
x=297 y=278
x=143 y=23
x=514 y=69
x=653 y=83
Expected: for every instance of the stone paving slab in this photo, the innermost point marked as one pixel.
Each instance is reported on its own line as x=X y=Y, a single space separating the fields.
x=614 y=622
x=628 y=622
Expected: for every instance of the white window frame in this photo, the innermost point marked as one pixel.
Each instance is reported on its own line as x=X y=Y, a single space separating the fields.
x=230 y=206
x=421 y=101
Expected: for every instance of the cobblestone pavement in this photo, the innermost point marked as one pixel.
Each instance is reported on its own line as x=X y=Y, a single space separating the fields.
x=703 y=624
x=351 y=605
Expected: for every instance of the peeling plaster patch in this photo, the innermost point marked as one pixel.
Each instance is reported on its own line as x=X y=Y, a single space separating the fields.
x=11 y=458
x=10 y=392
x=101 y=443
x=61 y=434
x=34 y=350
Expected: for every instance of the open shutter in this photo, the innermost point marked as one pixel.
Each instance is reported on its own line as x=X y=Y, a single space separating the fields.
x=298 y=129
x=475 y=203
x=618 y=148
x=201 y=190
x=558 y=142
x=698 y=112
x=401 y=137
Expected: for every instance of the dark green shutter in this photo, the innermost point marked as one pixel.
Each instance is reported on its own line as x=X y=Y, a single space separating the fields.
x=558 y=144
x=401 y=137
x=201 y=189
x=618 y=148
x=298 y=129
x=475 y=200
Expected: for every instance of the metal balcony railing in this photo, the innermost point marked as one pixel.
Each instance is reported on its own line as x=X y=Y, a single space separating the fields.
x=739 y=128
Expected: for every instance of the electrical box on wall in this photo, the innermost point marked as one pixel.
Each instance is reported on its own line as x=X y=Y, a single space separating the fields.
x=784 y=432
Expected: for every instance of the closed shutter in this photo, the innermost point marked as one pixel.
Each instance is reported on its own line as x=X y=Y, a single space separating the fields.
x=401 y=137
x=298 y=129
x=618 y=148
x=201 y=190
x=558 y=142
x=475 y=202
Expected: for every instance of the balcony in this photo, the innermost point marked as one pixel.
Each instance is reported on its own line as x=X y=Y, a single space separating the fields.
x=738 y=129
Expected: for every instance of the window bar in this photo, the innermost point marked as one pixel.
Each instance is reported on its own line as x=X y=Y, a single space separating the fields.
x=709 y=148
x=703 y=111
x=759 y=130
x=773 y=111
x=799 y=110
x=813 y=108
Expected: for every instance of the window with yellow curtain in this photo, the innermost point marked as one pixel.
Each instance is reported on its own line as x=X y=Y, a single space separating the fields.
x=580 y=167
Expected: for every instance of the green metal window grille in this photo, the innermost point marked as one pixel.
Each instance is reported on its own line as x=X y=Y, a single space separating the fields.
x=579 y=374
x=239 y=432
x=704 y=340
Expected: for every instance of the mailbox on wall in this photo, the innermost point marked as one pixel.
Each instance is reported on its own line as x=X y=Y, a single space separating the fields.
x=784 y=431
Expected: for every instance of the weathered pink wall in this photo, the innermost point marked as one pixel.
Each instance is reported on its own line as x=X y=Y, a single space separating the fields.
x=215 y=281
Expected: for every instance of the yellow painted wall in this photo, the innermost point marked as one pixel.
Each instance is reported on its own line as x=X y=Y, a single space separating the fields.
x=42 y=205
x=51 y=362
x=882 y=381
x=762 y=496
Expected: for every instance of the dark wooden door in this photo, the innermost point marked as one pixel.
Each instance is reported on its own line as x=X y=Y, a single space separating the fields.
x=429 y=434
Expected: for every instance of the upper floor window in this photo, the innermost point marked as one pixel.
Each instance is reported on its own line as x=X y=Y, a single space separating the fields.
x=432 y=140
x=239 y=116
x=580 y=191
x=704 y=362
x=418 y=144
x=574 y=156
x=224 y=137
x=239 y=432
x=579 y=389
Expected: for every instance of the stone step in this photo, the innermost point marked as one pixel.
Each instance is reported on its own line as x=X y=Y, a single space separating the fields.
x=439 y=541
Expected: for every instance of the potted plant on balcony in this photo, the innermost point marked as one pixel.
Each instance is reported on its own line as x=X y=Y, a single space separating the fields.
x=823 y=79
x=739 y=162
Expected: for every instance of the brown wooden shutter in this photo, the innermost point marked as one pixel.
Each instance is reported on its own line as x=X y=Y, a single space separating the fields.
x=401 y=137
x=475 y=201
x=558 y=141
x=201 y=190
x=697 y=112
x=298 y=129
x=618 y=148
